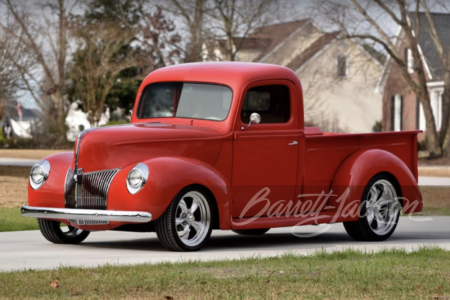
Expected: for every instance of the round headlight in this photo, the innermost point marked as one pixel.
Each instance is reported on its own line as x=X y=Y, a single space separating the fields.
x=137 y=178
x=39 y=174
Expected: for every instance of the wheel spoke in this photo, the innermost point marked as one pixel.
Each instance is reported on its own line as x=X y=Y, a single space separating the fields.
x=178 y=221
x=197 y=226
x=185 y=233
x=183 y=206
x=194 y=206
x=370 y=216
x=384 y=201
x=386 y=191
x=374 y=194
x=380 y=220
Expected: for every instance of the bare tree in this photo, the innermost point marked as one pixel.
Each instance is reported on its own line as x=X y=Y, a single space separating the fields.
x=97 y=62
x=105 y=50
x=192 y=14
x=357 y=22
x=239 y=18
x=160 y=41
x=11 y=50
x=46 y=39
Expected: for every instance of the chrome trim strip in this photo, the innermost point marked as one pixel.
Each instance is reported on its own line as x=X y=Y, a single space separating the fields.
x=77 y=150
x=102 y=171
x=86 y=214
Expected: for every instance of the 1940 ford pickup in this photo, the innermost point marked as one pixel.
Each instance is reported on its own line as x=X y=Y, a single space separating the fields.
x=223 y=146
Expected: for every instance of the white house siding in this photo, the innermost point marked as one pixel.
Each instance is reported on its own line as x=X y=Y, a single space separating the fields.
x=347 y=104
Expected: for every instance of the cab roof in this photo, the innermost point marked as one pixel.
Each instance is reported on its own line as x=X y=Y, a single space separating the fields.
x=233 y=74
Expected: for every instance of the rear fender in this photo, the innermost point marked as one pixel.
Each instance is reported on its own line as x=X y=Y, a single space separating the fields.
x=357 y=170
x=167 y=177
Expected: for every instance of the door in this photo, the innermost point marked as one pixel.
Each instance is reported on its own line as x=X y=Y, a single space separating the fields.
x=265 y=155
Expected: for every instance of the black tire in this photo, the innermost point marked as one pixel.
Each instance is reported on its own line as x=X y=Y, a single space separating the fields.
x=52 y=231
x=168 y=231
x=363 y=229
x=259 y=231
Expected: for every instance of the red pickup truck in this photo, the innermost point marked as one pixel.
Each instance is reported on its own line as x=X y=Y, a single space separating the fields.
x=223 y=146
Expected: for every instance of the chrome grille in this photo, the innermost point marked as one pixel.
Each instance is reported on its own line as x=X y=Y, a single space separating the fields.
x=90 y=190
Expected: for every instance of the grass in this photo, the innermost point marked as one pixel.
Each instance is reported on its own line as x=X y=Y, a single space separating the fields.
x=12 y=220
x=390 y=274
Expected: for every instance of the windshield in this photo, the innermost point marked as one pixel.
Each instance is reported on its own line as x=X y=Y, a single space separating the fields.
x=185 y=100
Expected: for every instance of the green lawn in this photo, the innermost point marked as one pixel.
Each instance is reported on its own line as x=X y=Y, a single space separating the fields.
x=423 y=274
x=12 y=220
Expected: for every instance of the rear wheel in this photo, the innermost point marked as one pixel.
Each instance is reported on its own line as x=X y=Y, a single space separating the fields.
x=379 y=212
x=186 y=223
x=54 y=233
x=259 y=231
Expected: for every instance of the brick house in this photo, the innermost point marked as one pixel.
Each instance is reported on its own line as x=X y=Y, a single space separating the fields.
x=401 y=107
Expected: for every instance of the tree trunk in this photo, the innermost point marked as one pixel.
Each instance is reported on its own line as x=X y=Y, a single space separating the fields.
x=445 y=128
x=194 y=52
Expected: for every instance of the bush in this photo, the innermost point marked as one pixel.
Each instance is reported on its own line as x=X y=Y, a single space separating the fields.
x=377 y=127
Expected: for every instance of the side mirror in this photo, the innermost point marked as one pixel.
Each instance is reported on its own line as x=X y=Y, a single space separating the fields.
x=254 y=119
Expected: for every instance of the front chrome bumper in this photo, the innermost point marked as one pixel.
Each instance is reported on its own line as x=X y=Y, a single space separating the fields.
x=86 y=214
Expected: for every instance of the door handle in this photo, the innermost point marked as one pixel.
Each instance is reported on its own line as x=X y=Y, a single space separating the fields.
x=293 y=143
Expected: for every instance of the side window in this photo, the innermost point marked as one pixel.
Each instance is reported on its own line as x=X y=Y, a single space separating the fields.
x=271 y=102
x=342 y=66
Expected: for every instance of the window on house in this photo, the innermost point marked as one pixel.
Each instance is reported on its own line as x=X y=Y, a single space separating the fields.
x=342 y=65
x=409 y=60
x=436 y=107
x=396 y=112
x=271 y=102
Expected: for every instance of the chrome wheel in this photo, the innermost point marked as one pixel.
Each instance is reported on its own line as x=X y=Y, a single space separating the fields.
x=192 y=218
x=379 y=211
x=382 y=207
x=71 y=231
x=187 y=222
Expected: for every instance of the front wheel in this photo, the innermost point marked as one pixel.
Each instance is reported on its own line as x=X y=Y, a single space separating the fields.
x=54 y=233
x=186 y=223
x=379 y=211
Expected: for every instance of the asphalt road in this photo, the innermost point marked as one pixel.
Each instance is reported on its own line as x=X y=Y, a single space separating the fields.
x=29 y=250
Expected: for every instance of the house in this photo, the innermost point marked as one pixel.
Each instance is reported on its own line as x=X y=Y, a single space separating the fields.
x=401 y=107
x=339 y=77
x=19 y=118
x=23 y=126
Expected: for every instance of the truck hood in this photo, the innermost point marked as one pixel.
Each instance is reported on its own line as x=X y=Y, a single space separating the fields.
x=118 y=146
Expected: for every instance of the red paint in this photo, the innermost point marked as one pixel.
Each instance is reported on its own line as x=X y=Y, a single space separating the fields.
x=234 y=164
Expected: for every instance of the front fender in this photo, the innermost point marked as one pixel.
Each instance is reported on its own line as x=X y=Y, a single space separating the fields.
x=51 y=194
x=357 y=170
x=168 y=176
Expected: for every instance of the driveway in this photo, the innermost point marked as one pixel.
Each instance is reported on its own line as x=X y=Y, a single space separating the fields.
x=29 y=250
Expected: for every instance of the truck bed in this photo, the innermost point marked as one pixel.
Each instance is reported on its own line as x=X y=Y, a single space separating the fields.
x=324 y=152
